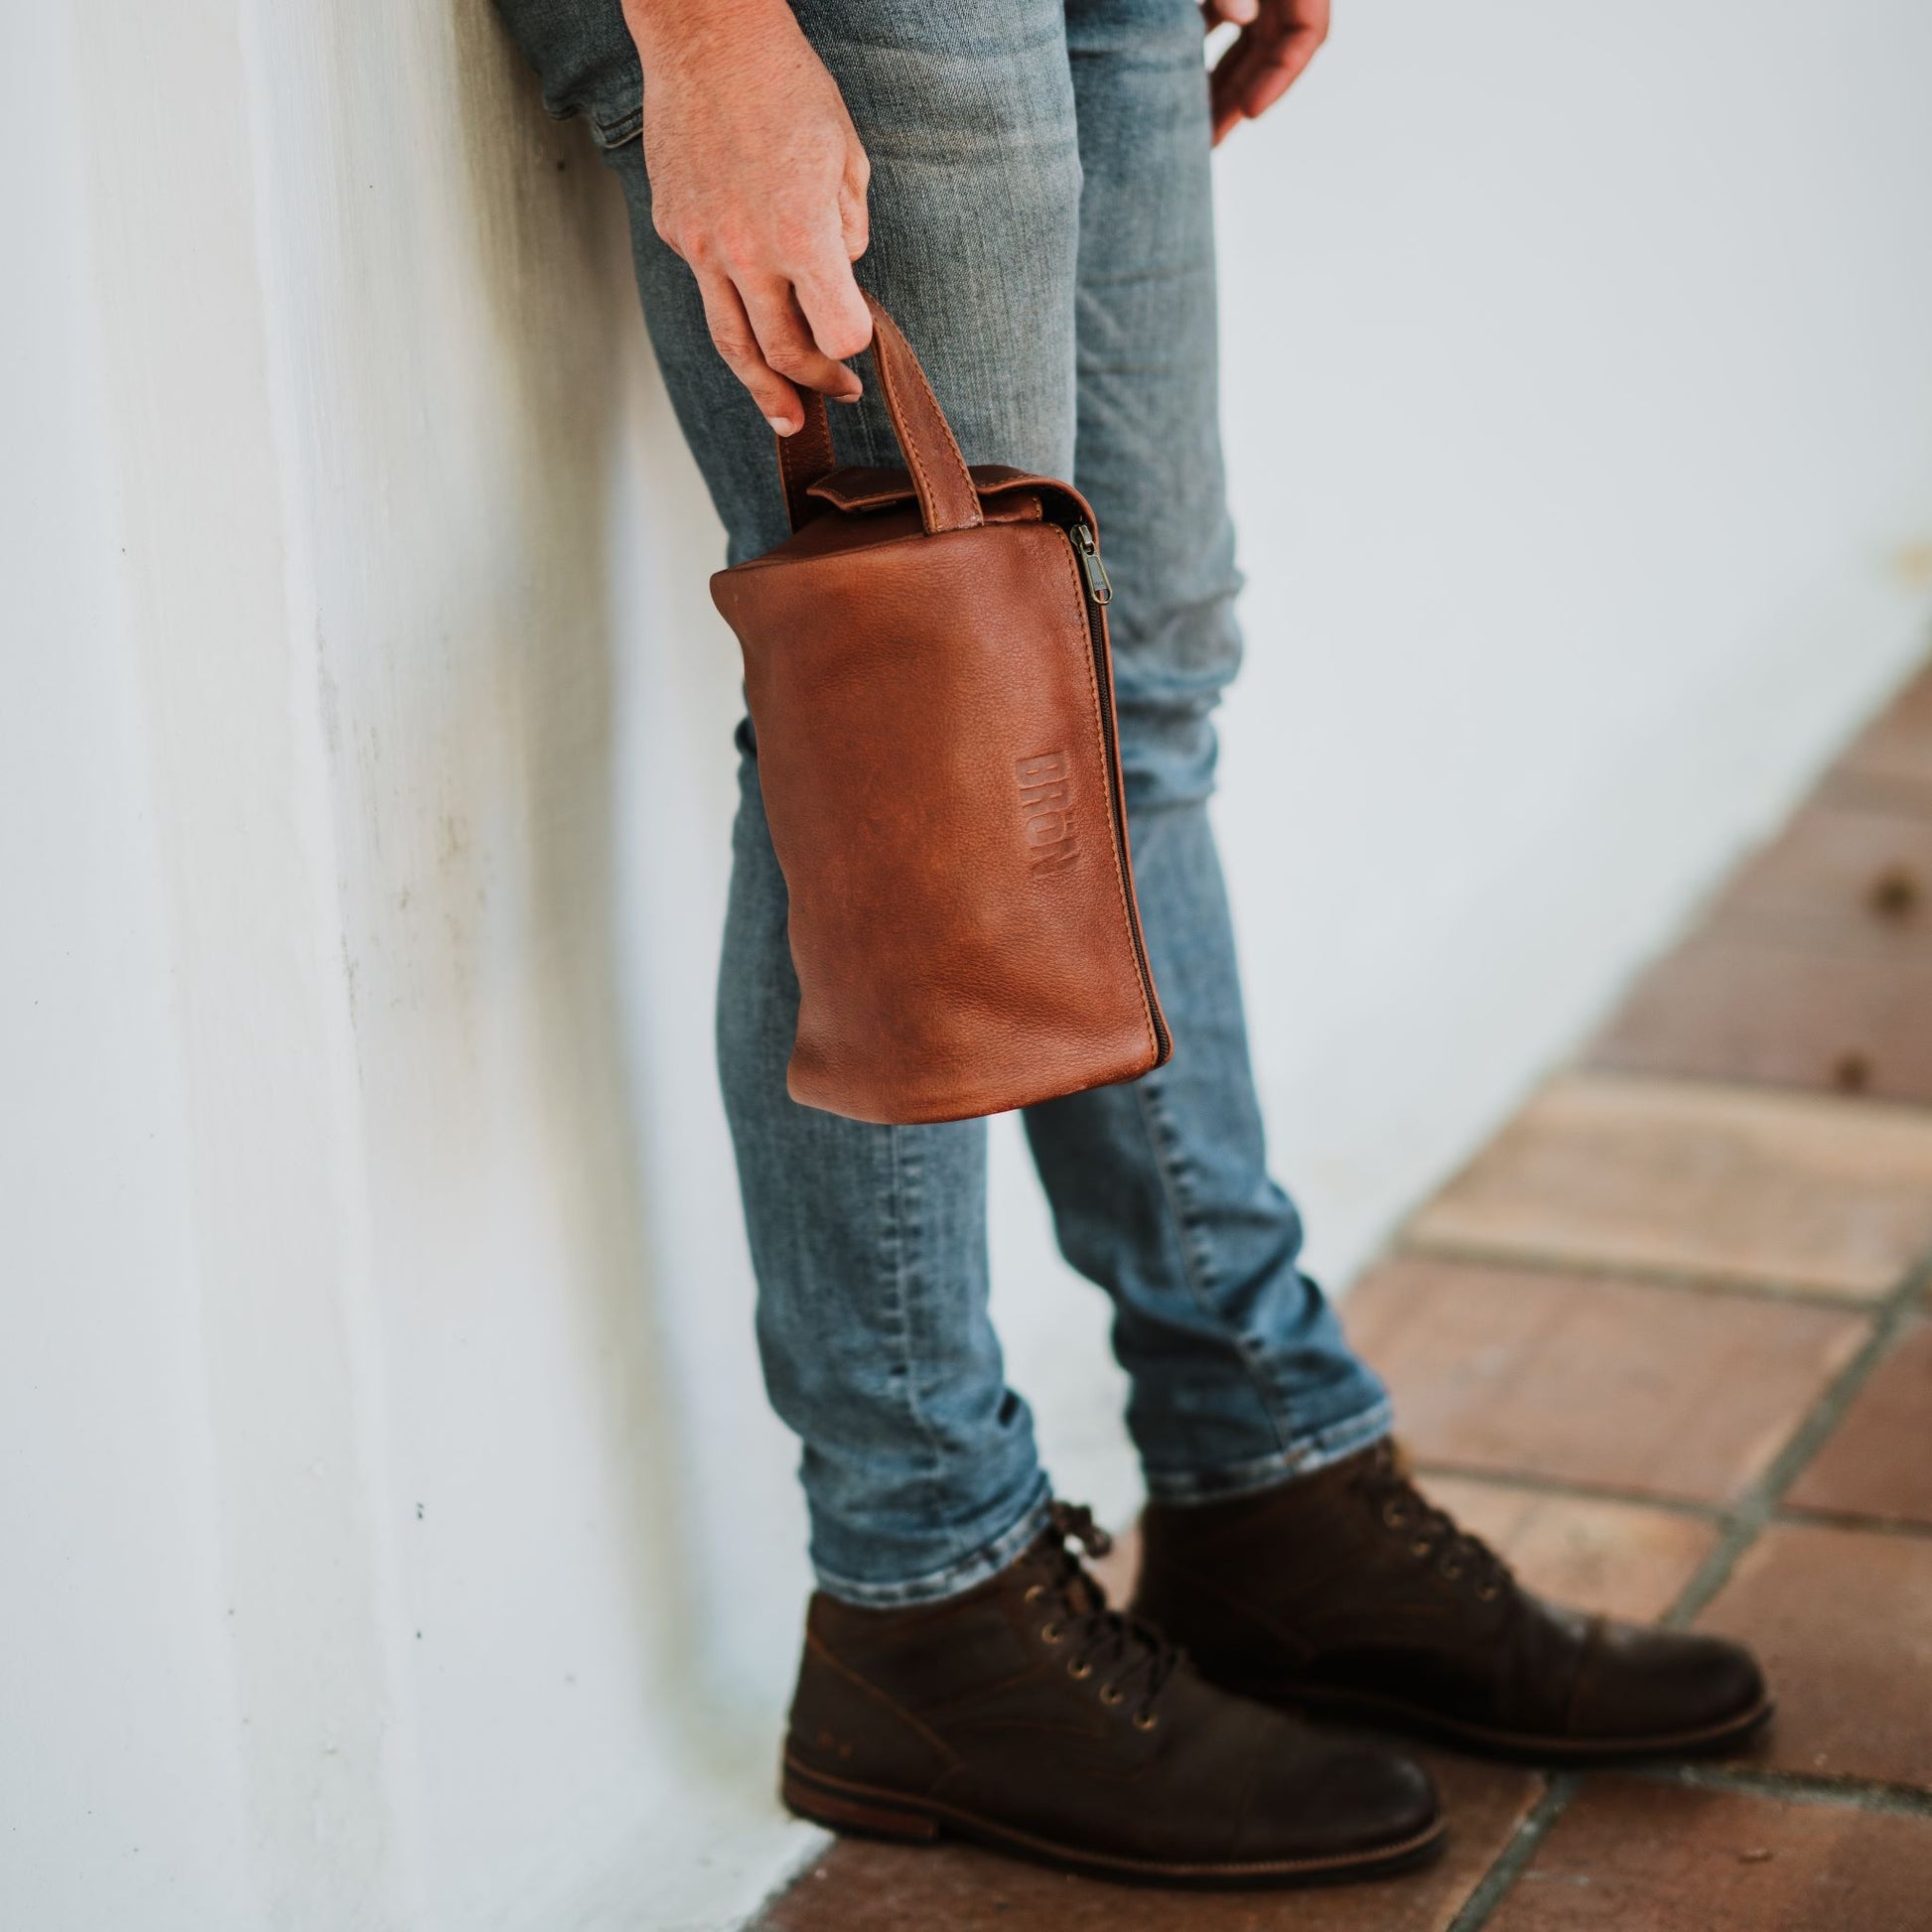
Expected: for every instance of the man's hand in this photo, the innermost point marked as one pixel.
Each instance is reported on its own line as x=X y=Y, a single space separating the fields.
x=1276 y=41
x=758 y=179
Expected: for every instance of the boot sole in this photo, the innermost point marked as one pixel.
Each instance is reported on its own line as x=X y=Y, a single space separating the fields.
x=868 y=1811
x=1522 y=1747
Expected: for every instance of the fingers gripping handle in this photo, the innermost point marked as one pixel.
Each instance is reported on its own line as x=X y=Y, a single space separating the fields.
x=947 y=498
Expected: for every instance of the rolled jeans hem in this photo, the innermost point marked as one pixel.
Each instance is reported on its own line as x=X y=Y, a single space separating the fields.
x=957 y=1578
x=1331 y=1445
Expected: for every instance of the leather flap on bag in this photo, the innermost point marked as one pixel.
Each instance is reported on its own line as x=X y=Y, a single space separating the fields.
x=1001 y=488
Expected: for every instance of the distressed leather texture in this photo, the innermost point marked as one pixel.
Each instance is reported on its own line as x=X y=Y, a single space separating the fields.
x=1024 y=1712
x=928 y=676
x=1349 y=1593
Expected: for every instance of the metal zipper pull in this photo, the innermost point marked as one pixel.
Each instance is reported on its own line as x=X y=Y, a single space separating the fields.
x=1098 y=586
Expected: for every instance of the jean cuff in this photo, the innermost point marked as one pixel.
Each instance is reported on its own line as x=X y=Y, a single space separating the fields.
x=957 y=1577
x=1331 y=1445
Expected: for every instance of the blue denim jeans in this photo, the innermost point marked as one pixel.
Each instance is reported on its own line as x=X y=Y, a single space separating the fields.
x=1042 y=229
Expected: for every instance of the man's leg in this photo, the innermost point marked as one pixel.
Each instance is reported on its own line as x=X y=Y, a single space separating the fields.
x=1160 y=1188
x=1018 y=1706
x=961 y=1671
x=868 y=1242
x=1344 y=1588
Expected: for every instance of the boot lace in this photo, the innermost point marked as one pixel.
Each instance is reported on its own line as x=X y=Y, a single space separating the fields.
x=1433 y=1535
x=1132 y=1659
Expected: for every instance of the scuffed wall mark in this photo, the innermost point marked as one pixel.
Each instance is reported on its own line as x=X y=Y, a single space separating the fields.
x=452 y=841
x=328 y=703
x=349 y=984
x=366 y=783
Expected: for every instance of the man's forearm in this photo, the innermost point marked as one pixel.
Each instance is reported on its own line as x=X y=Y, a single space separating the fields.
x=758 y=181
x=668 y=30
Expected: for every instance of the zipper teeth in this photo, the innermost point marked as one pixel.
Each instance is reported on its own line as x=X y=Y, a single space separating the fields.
x=1116 y=796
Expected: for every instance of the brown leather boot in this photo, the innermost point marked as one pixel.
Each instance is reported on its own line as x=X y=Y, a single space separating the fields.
x=1027 y=1715
x=1346 y=1594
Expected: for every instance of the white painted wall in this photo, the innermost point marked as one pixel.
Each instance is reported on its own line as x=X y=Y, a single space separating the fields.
x=394 y=1532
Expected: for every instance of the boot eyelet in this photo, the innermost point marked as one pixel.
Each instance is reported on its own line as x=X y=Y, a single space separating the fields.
x=1487 y=1593
x=1079 y=1670
x=1050 y=1633
x=1035 y=1592
x=1421 y=1548
x=1145 y=1719
x=1108 y=1695
x=1451 y=1571
x=1394 y=1517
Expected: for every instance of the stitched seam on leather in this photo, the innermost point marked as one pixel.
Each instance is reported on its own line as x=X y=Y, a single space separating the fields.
x=899 y=423
x=1106 y=772
x=896 y=493
x=932 y=1737
x=909 y=446
x=965 y=478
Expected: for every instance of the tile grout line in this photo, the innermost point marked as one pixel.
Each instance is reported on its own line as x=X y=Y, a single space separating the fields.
x=1794 y=1788
x=1736 y=1086
x=1694 y=1508
x=1848 y=1519
x=1759 y=1505
x=1581 y=1268
x=1513 y=1859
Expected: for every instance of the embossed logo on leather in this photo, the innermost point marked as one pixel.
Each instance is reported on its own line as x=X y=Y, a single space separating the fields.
x=1047 y=811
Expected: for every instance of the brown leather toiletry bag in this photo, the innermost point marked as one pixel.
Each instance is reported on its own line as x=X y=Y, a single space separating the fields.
x=928 y=668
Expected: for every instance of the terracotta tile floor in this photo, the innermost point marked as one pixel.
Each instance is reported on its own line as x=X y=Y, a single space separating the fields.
x=1750 y=1006
x=1667 y=1343
x=1635 y=1856
x=1694 y=1181
x=1857 y=880
x=1878 y=1461
x=1595 y=1380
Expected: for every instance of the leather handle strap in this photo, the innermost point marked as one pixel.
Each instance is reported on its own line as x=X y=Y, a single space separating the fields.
x=947 y=498
x=803 y=458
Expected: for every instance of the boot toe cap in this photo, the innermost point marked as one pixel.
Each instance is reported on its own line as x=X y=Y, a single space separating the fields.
x=1338 y=1802
x=1670 y=1684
